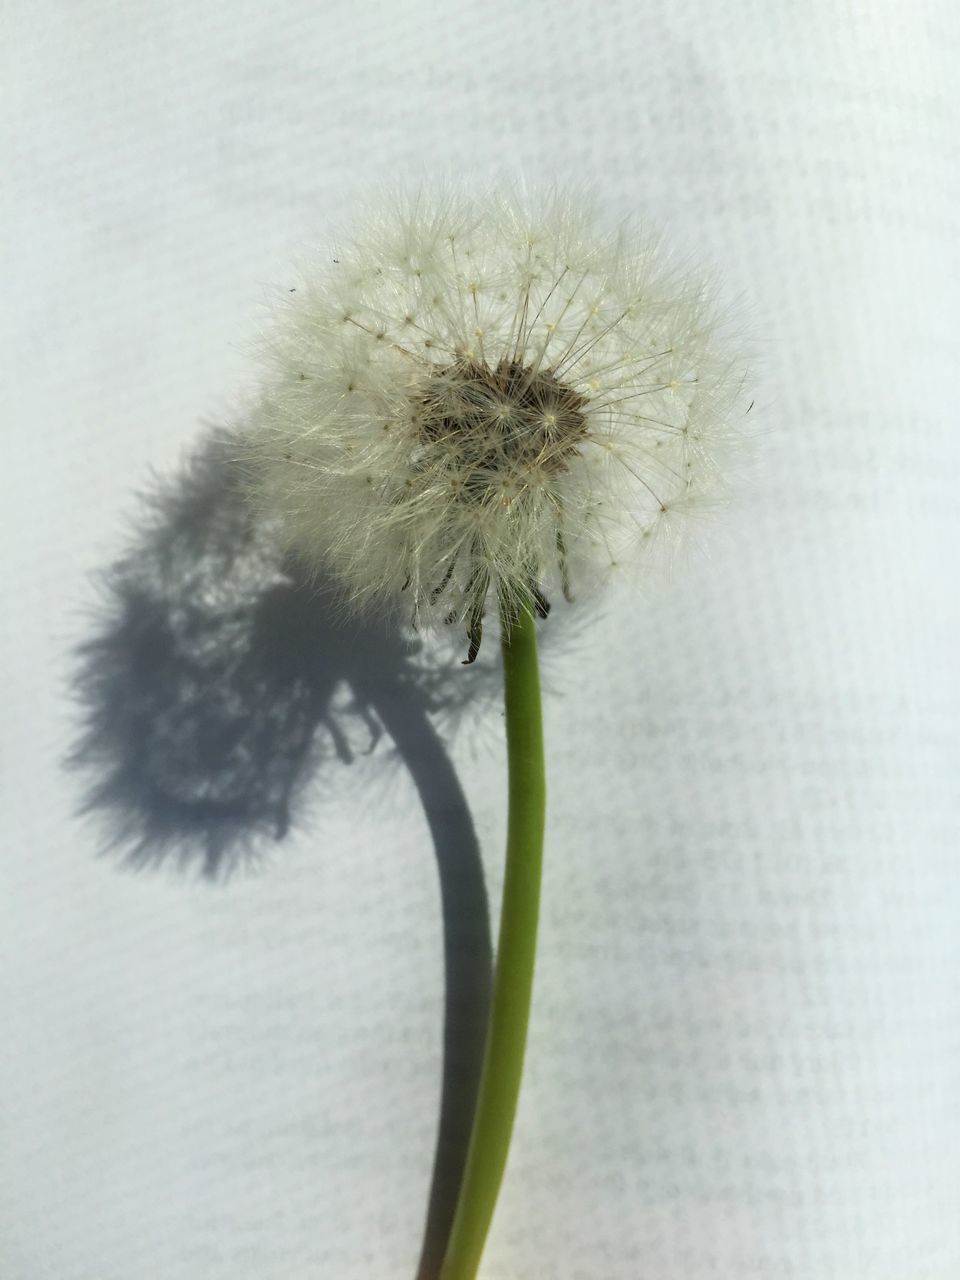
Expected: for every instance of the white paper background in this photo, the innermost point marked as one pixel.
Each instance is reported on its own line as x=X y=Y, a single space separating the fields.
x=744 y=1052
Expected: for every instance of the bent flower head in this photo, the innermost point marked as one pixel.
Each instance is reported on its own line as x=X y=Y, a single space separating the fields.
x=491 y=395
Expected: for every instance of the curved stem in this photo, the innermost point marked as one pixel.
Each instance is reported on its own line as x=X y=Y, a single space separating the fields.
x=513 y=981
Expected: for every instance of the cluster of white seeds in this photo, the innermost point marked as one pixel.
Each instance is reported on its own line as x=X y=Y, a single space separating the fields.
x=487 y=396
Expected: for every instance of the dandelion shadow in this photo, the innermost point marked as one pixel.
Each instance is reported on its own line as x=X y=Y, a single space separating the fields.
x=210 y=699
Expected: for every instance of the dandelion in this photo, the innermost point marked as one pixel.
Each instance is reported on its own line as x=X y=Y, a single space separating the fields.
x=493 y=398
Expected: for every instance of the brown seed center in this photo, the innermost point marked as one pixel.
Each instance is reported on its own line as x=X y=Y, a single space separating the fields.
x=500 y=422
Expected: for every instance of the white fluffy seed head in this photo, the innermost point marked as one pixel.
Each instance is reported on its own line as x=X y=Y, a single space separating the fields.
x=487 y=395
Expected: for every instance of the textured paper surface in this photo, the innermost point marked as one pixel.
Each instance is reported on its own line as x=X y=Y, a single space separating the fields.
x=744 y=1053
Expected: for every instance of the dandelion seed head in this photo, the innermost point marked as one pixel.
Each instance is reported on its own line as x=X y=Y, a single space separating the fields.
x=488 y=395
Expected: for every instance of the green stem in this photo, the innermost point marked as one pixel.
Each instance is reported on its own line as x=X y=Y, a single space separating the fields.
x=513 y=981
